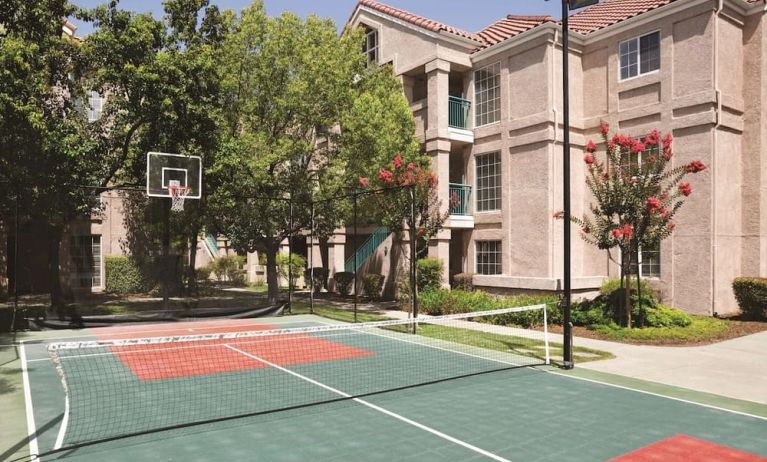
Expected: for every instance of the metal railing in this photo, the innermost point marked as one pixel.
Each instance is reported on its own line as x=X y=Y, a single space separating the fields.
x=460 y=199
x=458 y=113
x=367 y=249
x=212 y=243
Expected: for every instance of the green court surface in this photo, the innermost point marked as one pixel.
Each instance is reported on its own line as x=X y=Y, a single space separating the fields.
x=513 y=414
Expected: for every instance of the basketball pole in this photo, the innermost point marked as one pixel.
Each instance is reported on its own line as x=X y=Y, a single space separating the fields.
x=166 y=253
x=567 y=298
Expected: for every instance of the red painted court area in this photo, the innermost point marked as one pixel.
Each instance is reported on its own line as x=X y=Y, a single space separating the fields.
x=169 y=360
x=683 y=448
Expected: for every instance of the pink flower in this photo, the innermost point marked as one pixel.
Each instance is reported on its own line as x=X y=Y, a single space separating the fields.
x=628 y=230
x=667 y=152
x=671 y=225
x=637 y=147
x=591 y=147
x=611 y=145
x=685 y=189
x=589 y=159
x=364 y=182
x=695 y=167
x=397 y=162
x=653 y=204
x=559 y=215
x=432 y=180
x=385 y=176
x=585 y=230
x=410 y=166
x=617 y=233
x=652 y=139
x=604 y=128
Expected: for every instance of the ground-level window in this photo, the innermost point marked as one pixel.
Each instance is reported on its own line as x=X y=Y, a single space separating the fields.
x=85 y=254
x=649 y=262
x=488 y=182
x=639 y=55
x=488 y=257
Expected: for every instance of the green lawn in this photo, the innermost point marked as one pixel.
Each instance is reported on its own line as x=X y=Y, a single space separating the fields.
x=702 y=329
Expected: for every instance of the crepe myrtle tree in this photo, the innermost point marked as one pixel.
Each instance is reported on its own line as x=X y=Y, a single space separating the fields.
x=636 y=194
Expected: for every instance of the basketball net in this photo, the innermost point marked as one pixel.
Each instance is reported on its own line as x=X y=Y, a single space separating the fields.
x=177 y=195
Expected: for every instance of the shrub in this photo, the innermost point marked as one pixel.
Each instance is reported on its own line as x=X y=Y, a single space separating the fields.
x=751 y=294
x=320 y=276
x=203 y=273
x=124 y=276
x=372 y=284
x=228 y=268
x=344 y=282
x=297 y=265
x=666 y=316
x=403 y=289
x=438 y=302
x=429 y=274
x=463 y=281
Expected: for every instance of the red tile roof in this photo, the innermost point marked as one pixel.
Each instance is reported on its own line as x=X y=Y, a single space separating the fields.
x=610 y=12
x=510 y=26
x=417 y=20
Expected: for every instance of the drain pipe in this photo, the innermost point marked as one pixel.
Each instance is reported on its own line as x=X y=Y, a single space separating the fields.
x=718 y=93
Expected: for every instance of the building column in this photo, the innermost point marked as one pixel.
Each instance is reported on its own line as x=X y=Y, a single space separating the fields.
x=438 y=85
x=439 y=247
x=407 y=86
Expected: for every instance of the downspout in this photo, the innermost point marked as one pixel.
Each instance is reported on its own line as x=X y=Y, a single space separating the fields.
x=718 y=93
x=555 y=111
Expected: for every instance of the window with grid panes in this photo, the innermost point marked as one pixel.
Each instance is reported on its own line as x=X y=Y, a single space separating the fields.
x=488 y=173
x=487 y=95
x=85 y=255
x=488 y=257
x=95 y=105
x=639 y=55
x=371 y=46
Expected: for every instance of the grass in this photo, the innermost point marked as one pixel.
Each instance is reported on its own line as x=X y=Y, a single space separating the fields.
x=491 y=341
x=702 y=329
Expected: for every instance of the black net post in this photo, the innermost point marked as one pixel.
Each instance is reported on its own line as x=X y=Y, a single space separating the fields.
x=354 y=249
x=15 y=263
x=566 y=300
x=413 y=279
x=311 y=260
x=290 y=254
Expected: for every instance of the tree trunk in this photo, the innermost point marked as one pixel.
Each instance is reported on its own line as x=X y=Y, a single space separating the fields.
x=3 y=262
x=626 y=283
x=272 y=279
x=192 y=288
x=640 y=306
x=325 y=256
x=54 y=270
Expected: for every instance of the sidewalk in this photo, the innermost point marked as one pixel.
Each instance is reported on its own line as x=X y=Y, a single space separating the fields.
x=734 y=368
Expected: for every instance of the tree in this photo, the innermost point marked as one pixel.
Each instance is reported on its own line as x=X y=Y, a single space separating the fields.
x=636 y=197
x=287 y=83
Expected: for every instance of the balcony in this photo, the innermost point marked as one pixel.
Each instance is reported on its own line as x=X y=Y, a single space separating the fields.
x=459 y=110
x=460 y=206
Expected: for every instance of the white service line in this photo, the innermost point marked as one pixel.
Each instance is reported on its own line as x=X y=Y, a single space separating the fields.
x=31 y=427
x=375 y=408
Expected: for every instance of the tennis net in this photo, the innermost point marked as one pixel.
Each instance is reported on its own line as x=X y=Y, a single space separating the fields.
x=128 y=387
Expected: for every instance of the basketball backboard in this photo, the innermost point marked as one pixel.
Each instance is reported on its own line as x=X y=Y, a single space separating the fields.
x=162 y=168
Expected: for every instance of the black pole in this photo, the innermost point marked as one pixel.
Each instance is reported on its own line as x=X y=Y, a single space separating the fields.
x=354 y=249
x=413 y=278
x=166 y=254
x=311 y=261
x=566 y=300
x=290 y=255
x=15 y=265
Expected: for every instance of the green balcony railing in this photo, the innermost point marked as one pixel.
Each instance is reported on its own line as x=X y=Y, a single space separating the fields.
x=367 y=249
x=460 y=199
x=458 y=113
x=212 y=243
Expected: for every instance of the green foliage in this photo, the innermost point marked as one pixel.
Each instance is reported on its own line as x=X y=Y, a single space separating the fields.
x=372 y=284
x=203 y=273
x=463 y=281
x=290 y=264
x=228 y=268
x=320 y=278
x=439 y=302
x=125 y=276
x=666 y=316
x=700 y=329
x=344 y=282
x=429 y=273
x=751 y=294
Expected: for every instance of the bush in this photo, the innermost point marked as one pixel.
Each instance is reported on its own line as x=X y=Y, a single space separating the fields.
x=751 y=294
x=297 y=265
x=203 y=273
x=463 y=281
x=344 y=282
x=125 y=276
x=666 y=316
x=429 y=274
x=439 y=302
x=228 y=268
x=372 y=285
x=320 y=276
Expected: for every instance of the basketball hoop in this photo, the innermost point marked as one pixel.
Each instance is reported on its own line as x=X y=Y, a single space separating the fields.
x=178 y=194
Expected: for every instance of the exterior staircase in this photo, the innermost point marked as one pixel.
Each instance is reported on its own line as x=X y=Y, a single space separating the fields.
x=211 y=244
x=367 y=249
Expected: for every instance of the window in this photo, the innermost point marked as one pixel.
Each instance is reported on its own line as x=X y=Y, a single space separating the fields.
x=649 y=261
x=85 y=254
x=639 y=55
x=488 y=257
x=488 y=182
x=487 y=94
x=632 y=162
x=371 y=46
x=95 y=104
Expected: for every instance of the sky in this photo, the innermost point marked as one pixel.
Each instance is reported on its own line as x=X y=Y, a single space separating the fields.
x=472 y=16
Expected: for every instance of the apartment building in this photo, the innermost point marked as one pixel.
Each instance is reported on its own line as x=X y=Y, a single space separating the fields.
x=488 y=110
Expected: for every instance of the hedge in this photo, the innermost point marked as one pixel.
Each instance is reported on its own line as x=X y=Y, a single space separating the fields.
x=372 y=284
x=429 y=274
x=463 y=281
x=751 y=294
x=439 y=302
x=344 y=282
x=124 y=276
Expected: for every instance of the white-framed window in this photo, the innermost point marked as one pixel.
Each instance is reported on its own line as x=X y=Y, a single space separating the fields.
x=95 y=105
x=488 y=169
x=649 y=262
x=488 y=257
x=487 y=95
x=85 y=255
x=371 y=46
x=639 y=55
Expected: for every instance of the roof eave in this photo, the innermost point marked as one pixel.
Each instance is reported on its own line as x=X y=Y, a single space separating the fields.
x=522 y=37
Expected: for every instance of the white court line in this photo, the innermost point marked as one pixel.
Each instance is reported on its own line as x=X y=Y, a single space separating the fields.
x=376 y=408
x=31 y=427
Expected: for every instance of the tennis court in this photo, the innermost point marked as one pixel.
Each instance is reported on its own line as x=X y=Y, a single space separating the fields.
x=305 y=388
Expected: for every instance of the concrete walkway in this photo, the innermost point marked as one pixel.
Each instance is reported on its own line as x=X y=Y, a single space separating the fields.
x=734 y=368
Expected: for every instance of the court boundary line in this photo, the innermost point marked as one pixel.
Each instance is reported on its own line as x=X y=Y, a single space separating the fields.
x=29 y=408
x=370 y=405
x=709 y=406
